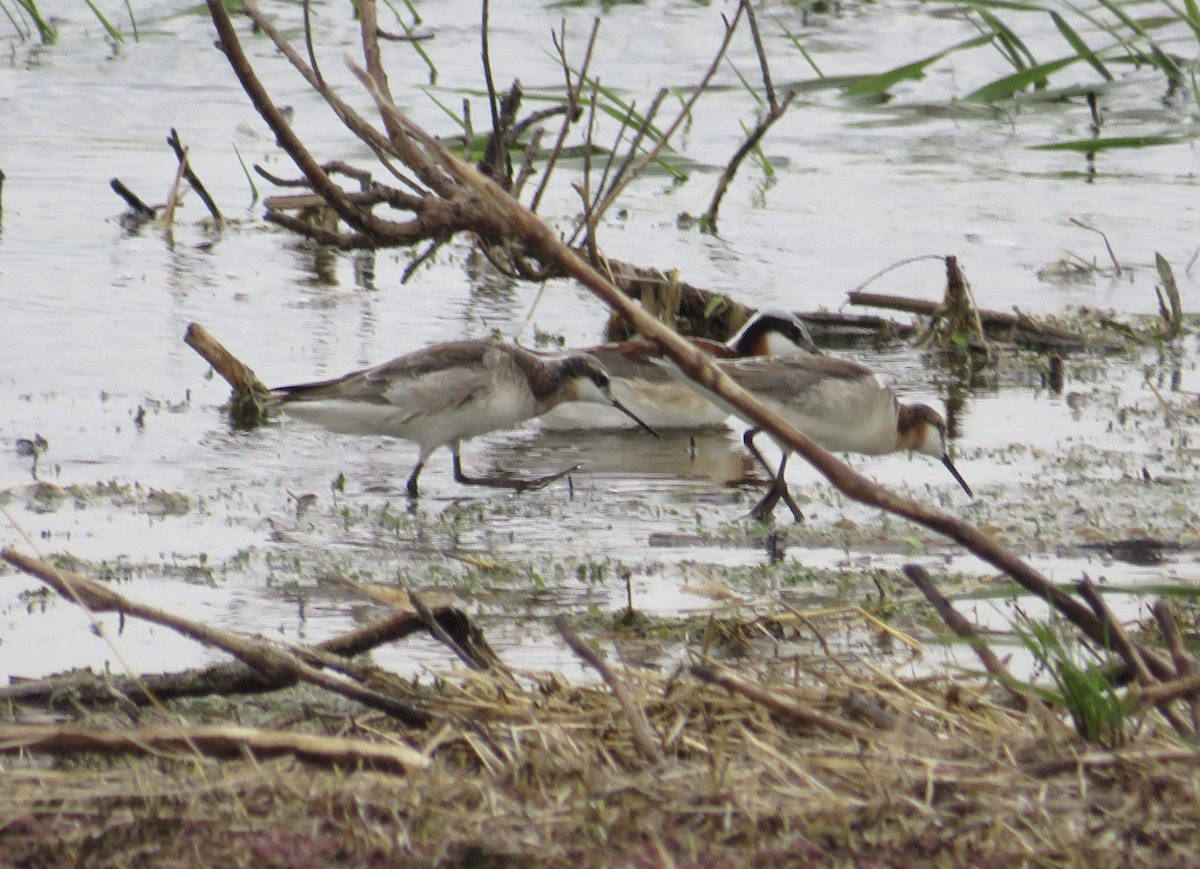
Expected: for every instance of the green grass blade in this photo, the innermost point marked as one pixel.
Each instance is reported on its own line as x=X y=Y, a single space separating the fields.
x=1131 y=51
x=249 y=177
x=795 y=41
x=745 y=83
x=132 y=21
x=622 y=112
x=1114 y=143
x=1081 y=47
x=1124 y=18
x=1166 y=274
x=1011 y=85
x=1006 y=5
x=46 y=32
x=1012 y=47
x=459 y=122
x=112 y=31
x=873 y=85
x=23 y=32
x=1161 y=59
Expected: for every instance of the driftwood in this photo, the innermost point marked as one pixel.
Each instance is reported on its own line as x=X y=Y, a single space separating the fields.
x=248 y=405
x=209 y=741
x=269 y=659
x=1017 y=328
x=234 y=677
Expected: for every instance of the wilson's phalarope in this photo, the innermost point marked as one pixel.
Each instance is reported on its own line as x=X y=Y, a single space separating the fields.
x=840 y=405
x=447 y=393
x=653 y=394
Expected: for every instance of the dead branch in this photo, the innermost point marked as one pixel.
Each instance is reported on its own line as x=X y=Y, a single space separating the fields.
x=269 y=659
x=369 y=27
x=233 y=677
x=232 y=370
x=247 y=407
x=958 y=623
x=1164 y=614
x=140 y=208
x=360 y=219
x=998 y=324
x=775 y=111
x=1162 y=693
x=430 y=621
x=1133 y=656
x=213 y=741
x=784 y=706
x=644 y=736
x=192 y=178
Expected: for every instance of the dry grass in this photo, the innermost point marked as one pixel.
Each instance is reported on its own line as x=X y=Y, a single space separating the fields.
x=550 y=775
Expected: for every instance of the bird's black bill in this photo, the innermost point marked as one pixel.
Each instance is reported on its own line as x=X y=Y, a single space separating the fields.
x=633 y=416
x=953 y=470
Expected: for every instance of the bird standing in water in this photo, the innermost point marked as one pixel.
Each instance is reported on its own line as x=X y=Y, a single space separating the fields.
x=446 y=393
x=650 y=391
x=840 y=405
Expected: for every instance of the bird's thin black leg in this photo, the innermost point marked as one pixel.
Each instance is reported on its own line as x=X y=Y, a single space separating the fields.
x=413 y=491
x=778 y=490
x=517 y=484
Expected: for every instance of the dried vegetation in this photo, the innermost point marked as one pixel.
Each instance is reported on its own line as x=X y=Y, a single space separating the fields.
x=795 y=760
x=551 y=775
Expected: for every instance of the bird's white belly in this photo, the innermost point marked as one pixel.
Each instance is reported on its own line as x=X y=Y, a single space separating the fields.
x=449 y=424
x=349 y=417
x=660 y=404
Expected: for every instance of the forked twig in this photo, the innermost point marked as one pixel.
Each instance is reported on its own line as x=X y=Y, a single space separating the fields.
x=775 y=111
x=615 y=190
x=192 y=178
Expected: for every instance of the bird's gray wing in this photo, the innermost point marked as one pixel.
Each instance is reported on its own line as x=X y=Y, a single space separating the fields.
x=428 y=380
x=635 y=360
x=791 y=378
x=630 y=360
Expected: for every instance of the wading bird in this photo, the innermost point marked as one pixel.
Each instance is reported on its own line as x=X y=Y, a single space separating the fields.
x=444 y=394
x=650 y=391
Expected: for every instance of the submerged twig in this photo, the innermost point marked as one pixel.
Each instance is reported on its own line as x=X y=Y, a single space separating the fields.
x=140 y=208
x=192 y=178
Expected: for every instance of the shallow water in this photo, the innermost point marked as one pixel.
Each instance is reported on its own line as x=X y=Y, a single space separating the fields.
x=93 y=315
